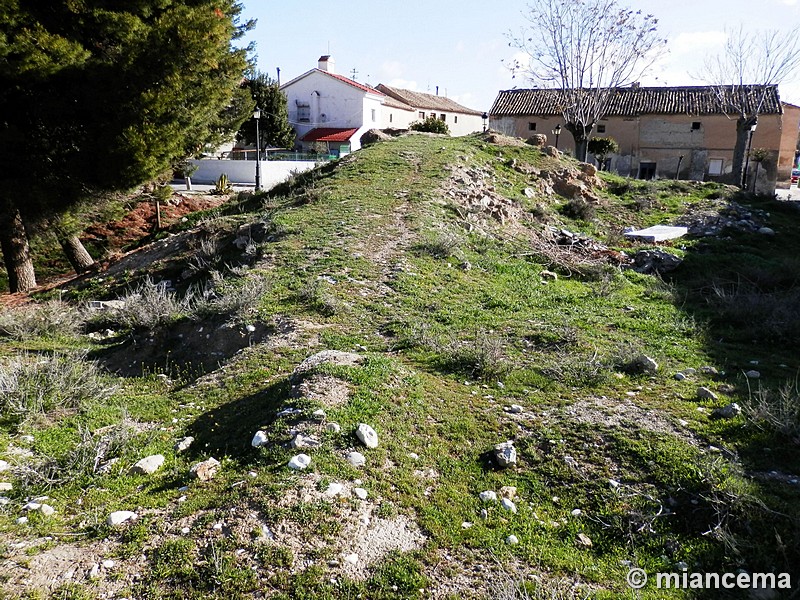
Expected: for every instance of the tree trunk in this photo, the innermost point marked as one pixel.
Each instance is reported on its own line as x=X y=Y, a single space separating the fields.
x=75 y=252
x=580 y=133
x=16 y=250
x=743 y=125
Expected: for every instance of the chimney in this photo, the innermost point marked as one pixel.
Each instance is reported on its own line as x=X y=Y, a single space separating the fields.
x=326 y=63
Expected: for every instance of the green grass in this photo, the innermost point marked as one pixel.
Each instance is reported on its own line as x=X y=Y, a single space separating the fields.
x=368 y=255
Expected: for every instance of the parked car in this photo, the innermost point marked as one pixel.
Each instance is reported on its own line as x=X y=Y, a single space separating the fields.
x=795 y=175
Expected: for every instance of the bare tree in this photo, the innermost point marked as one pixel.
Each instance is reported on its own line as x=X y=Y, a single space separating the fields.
x=745 y=76
x=585 y=48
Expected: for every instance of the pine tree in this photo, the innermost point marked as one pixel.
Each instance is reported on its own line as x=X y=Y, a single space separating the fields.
x=97 y=98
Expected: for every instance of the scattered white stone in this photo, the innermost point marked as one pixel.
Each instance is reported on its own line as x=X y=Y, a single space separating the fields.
x=108 y=564
x=333 y=427
x=351 y=558
x=488 y=496
x=183 y=444
x=21 y=520
x=512 y=540
x=47 y=510
x=148 y=465
x=508 y=491
x=288 y=412
x=413 y=456
x=185 y=530
x=319 y=414
x=250 y=328
x=705 y=394
x=509 y=505
x=6 y=486
x=584 y=540
x=466 y=525
x=679 y=376
x=356 y=459
x=613 y=483
x=647 y=364
x=121 y=516
x=205 y=470
x=259 y=439
x=484 y=514
x=94 y=572
x=334 y=489
x=3 y=466
x=766 y=231
x=576 y=512
x=305 y=441
x=728 y=411
x=360 y=493
x=752 y=374
x=217 y=526
x=32 y=506
x=183 y=499
x=505 y=454
x=367 y=435
x=300 y=462
x=514 y=409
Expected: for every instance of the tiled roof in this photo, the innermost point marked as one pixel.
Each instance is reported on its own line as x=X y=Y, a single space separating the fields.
x=633 y=101
x=426 y=101
x=395 y=103
x=342 y=78
x=329 y=134
x=354 y=83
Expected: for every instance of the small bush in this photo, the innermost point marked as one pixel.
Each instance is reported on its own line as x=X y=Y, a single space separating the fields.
x=317 y=296
x=35 y=385
x=149 y=306
x=482 y=357
x=240 y=302
x=776 y=411
x=49 y=319
x=431 y=125
x=441 y=245
x=579 y=210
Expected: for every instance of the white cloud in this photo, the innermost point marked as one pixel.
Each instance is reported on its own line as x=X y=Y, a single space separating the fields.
x=694 y=42
x=460 y=46
x=789 y=2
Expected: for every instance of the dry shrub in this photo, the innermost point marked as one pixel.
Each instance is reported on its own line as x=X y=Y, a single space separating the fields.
x=49 y=319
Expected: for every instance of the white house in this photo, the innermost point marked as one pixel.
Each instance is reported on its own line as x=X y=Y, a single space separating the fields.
x=402 y=107
x=331 y=109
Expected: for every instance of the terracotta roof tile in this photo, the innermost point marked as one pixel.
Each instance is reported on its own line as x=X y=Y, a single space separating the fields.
x=426 y=101
x=630 y=102
x=329 y=134
x=354 y=83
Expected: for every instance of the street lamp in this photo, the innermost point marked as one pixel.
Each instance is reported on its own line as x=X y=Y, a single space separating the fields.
x=257 y=117
x=557 y=132
x=484 y=116
x=747 y=155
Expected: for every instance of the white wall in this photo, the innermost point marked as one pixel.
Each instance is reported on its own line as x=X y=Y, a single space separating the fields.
x=273 y=172
x=401 y=119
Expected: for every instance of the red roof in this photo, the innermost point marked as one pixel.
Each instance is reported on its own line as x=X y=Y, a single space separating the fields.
x=354 y=83
x=329 y=134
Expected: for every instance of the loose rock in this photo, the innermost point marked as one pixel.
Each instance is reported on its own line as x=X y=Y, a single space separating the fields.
x=299 y=462
x=259 y=439
x=509 y=505
x=356 y=459
x=505 y=454
x=148 y=465
x=205 y=471
x=121 y=516
x=728 y=411
x=584 y=540
x=360 y=493
x=488 y=496
x=367 y=435
x=706 y=394
x=512 y=540
x=183 y=444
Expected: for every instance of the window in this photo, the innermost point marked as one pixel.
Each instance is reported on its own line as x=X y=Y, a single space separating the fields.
x=390 y=117
x=531 y=126
x=421 y=115
x=601 y=129
x=695 y=125
x=715 y=166
x=373 y=115
x=455 y=118
x=443 y=117
x=303 y=112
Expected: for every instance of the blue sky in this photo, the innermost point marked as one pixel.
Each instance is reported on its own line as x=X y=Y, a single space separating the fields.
x=460 y=45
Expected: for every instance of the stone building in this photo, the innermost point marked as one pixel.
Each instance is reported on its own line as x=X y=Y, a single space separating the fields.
x=663 y=131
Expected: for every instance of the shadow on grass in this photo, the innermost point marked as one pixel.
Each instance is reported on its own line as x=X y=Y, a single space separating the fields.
x=745 y=288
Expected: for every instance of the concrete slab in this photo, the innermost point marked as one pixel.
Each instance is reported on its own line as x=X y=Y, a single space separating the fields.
x=657 y=233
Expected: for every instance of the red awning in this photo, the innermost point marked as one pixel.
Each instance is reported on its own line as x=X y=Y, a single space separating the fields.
x=329 y=134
